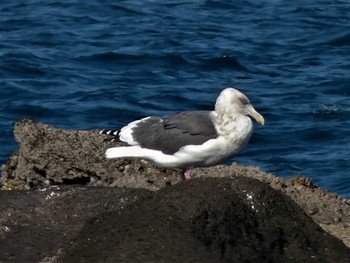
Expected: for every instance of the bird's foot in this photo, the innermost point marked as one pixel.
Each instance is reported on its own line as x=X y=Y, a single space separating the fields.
x=187 y=175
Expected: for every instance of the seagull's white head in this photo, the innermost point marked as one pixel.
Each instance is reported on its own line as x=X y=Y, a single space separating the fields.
x=231 y=101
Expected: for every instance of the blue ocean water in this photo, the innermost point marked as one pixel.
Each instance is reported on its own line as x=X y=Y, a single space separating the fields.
x=100 y=64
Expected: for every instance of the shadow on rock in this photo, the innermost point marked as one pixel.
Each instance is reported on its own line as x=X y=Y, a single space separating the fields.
x=215 y=220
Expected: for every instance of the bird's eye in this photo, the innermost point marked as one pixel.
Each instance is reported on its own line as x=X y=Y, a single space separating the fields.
x=244 y=101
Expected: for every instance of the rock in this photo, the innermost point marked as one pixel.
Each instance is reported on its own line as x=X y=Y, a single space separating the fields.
x=70 y=215
x=35 y=225
x=49 y=156
x=205 y=220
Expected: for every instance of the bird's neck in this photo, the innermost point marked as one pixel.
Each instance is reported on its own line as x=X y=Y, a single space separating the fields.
x=233 y=126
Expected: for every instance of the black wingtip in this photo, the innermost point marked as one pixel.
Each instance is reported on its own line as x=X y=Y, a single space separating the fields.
x=110 y=132
x=113 y=133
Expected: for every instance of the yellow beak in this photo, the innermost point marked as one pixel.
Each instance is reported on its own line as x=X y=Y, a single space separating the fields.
x=256 y=115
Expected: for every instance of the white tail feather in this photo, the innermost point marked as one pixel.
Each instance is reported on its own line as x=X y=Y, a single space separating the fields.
x=126 y=151
x=158 y=157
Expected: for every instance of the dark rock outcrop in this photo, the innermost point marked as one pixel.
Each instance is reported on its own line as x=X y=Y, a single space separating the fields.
x=217 y=220
x=36 y=225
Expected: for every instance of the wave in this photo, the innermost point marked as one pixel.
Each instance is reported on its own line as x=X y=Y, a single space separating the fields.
x=223 y=62
x=333 y=111
x=134 y=59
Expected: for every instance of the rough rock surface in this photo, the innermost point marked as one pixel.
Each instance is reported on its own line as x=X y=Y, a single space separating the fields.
x=49 y=156
x=207 y=219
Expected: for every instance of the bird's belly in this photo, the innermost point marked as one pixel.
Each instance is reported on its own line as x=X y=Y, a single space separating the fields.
x=212 y=152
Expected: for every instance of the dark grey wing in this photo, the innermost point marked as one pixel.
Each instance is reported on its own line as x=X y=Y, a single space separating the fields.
x=172 y=132
x=192 y=122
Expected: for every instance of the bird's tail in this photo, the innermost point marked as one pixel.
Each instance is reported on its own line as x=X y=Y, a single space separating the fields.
x=124 y=151
x=113 y=133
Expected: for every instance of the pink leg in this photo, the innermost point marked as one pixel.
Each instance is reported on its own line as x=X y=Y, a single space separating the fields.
x=187 y=174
